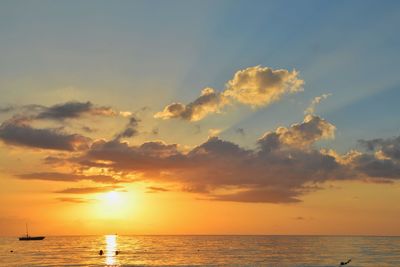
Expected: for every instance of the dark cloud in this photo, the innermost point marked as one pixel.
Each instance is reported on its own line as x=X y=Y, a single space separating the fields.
x=67 y=177
x=73 y=109
x=130 y=129
x=277 y=170
x=60 y=112
x=381 y=162
x=283 y=166
x=88 y=190
x=21 y=134
x=389 y=148
x=375 y=167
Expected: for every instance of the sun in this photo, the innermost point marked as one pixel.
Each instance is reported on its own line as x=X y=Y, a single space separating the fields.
x=112 y=197
x=112 y=205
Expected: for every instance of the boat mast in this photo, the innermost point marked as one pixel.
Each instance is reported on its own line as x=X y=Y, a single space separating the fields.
x=26 y=226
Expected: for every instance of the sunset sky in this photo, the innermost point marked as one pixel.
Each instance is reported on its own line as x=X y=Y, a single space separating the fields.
x=199 y=117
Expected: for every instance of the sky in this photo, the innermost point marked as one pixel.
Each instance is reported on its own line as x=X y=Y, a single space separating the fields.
x=199 y=117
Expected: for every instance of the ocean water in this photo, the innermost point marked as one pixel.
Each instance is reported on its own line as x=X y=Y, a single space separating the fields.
x=201 y=251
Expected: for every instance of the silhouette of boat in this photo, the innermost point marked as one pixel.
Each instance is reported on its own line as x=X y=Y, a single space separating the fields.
x=28 y=237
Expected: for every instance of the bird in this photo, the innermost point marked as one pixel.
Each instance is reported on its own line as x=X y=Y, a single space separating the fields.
x=101 y=252
x=345 y=263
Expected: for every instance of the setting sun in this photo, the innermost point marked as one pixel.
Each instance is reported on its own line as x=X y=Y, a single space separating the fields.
x=112 y=198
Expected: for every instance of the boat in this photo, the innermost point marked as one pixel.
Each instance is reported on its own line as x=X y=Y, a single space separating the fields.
x=28 y=237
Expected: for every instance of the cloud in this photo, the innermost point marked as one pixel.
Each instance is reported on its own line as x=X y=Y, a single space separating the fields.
x=125 y=113
x=262 y=195
x=156 y=189
x=130 y=129
x=376 y=167
x=208 y=102
x=18 y=130
x=73 y=109
x=73 y=200
x=20 y=134
x=283 y=167
x=312 y=129
x=62 y=111
x=67 y=177
x=214 y=132
x=260 y=86
x=88 y=190
x=311 y=108
x=388 y=148
x=254 y=86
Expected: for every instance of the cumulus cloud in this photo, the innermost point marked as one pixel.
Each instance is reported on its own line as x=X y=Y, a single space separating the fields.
x=279 y=170
x=208 y=102
x=15 y=132
x=283 y=165
x=260 y=86
x=312 y=129
x=311 y=108
x=254 y=86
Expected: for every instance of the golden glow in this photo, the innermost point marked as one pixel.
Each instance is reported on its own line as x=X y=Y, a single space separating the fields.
x=112 y=198
x=113 y=205
x=111 y=248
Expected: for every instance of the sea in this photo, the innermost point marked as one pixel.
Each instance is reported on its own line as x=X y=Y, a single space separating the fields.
x=201 y=250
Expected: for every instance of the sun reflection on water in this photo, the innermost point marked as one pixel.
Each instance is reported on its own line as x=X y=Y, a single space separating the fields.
x=111 y=248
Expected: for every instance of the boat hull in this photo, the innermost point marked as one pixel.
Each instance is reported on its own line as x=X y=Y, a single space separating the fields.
x=29 y=238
